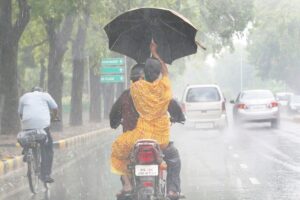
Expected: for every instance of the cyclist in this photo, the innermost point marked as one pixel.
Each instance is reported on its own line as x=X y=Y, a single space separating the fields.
x=35 y=109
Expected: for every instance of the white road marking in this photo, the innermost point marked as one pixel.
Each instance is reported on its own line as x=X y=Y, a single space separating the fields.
x=236 y=155
x=254 y=181
x=230 y=147
x=289 y=166
x=273 y=149
x=243 y=166
x=239 y=183
x=289 y=135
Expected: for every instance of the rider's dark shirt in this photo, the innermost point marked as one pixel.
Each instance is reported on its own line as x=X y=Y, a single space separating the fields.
x=123 y=112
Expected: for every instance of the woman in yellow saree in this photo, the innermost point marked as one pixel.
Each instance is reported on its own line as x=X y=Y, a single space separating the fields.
x=151 y=98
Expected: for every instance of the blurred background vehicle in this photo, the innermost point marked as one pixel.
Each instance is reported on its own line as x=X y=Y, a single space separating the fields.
x=283 y=99
x=204 y=106
x=294 y=104
x=256 y=106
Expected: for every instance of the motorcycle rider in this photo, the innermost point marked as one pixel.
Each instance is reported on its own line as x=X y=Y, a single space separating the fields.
x=123 y=112
x=34 y=111
x=153 y=123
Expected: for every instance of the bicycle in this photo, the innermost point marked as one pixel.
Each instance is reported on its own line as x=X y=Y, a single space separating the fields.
x=31 y=141
x=33 y=159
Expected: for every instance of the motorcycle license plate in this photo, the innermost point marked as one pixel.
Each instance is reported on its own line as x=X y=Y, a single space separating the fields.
x=146 y=170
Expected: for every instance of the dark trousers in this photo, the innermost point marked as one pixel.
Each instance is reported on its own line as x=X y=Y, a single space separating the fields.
x=173 y=161
x=47 y=155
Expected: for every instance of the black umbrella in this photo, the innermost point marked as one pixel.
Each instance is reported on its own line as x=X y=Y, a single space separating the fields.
x=131 y=33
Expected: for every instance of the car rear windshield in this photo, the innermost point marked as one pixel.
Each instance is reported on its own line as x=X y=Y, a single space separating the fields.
x=203 y=94
x=257 y=95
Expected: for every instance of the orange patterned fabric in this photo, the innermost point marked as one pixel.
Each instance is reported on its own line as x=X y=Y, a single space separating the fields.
x=151 y=100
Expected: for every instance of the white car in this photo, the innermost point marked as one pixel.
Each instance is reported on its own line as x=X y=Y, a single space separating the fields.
x=204 y=106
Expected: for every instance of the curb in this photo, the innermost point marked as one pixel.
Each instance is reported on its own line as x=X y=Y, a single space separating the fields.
x=296 y=119
x=11 y=164
x=292 y=119
x=78 y=139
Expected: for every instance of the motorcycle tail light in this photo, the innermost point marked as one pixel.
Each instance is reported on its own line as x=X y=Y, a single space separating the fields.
x=147 y=184
x=146 y=155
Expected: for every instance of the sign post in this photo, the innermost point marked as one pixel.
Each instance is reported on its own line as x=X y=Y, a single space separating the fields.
x=112 y=62
x=112 y=79
x=113 y=70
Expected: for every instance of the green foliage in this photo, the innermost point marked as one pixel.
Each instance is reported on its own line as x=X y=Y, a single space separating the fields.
x=275 y=41
x=217 y=20
x=221 y=20
x=56 y=9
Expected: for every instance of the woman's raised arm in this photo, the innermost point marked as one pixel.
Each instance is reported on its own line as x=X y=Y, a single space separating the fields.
x=164 y=68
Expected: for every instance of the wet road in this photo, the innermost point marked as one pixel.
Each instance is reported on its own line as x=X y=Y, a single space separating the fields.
x=251 y=163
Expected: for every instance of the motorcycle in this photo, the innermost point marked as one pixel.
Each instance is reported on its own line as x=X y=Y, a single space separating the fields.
x=148 y=172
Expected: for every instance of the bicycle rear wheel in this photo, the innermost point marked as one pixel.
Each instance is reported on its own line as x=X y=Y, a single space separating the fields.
x=34 y=169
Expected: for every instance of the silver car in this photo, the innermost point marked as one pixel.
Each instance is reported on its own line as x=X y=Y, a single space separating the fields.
x=256 y=106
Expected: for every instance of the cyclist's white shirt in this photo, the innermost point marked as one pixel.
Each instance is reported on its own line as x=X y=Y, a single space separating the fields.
x=35 y=110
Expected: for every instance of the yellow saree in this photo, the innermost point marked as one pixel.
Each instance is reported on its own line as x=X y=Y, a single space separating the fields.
x=151 y=100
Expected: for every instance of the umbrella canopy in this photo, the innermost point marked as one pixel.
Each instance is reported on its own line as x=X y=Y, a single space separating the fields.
x=132 y=32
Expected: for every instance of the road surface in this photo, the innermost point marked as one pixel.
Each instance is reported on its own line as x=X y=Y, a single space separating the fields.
x=254 y=162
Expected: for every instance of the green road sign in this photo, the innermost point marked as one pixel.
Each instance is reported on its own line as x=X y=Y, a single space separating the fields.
x=112 y=61
x=111 y=70
x=112 y=79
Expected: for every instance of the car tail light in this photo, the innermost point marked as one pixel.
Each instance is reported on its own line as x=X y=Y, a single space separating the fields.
x=242 y=106
x=273 y=104
x=146 y=155
x=148 y=184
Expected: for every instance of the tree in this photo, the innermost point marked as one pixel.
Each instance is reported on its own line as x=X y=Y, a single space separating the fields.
x=33 y=48
x=58 y=18
x=42 y=73
x=275 y=40
x=11 y=31
x=95 y=94
x=96 y=44
x=59 y=36
x=78 y=57
x=222 y=20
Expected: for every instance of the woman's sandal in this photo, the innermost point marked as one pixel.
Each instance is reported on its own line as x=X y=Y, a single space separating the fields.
x=173 y=195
